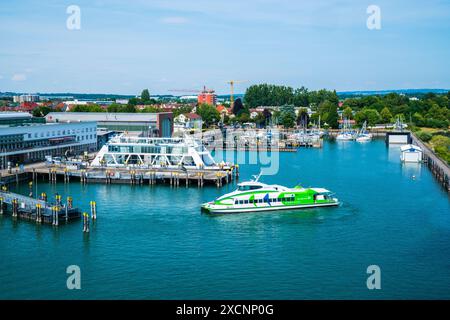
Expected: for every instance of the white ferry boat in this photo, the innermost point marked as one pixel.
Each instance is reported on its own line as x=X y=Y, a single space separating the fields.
x=254 y=196
x=124 y=151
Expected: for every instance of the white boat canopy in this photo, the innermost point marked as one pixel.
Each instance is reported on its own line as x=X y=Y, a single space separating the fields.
x=410 y=148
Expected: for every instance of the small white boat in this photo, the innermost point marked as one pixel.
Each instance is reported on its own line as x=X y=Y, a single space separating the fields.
x=363 y=134
x=345 y=136
x=346 y=133
x=364 y=138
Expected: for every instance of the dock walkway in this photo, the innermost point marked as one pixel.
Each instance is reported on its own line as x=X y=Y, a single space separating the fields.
x=38 y=210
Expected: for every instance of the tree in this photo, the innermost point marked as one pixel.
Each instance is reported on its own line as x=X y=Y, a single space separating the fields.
x=287 y=116
x=244 y=117
x=133 y=101
x=287 y=119
x=303 y=118
x=151 y=109
x=181 y=110
x=260 y=120
x=418 y=119
x=386 y=115
x=301 y=97
x=268 y=95
x=209 y=114
x=145 y=95
x=41 y=111
x=329 y=114
x=114 y=107
x=129 y=108
x=87 y=108
x=238 y=107
x=373 y=117
x=348 y=114
x=267 y=116
x=370 y=115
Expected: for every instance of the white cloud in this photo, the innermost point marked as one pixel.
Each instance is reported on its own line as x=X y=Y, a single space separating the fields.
x=174 y=20
x=19 y=77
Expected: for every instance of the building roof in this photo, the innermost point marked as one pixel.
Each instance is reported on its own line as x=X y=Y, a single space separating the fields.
x=221 y=108
x=192 y=116
x=102 y=116
x=410 y=148
x=15 y=115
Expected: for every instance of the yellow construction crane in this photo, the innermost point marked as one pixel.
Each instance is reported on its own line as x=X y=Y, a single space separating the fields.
x=232 y=83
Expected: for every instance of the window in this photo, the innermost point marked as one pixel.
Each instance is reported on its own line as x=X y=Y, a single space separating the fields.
x=246 y=188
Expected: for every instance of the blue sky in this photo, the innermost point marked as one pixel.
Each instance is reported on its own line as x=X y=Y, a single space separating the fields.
x=125 y=46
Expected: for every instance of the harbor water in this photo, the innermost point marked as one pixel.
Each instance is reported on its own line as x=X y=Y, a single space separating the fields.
x=152 y=242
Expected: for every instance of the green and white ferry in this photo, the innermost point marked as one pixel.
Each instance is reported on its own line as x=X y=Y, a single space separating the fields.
x=254 y=196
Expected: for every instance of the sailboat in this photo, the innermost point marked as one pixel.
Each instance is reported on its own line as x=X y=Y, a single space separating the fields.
x=346 y=134
x=363 y=134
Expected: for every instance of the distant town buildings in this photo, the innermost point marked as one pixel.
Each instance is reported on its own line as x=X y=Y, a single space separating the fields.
x=26 y=98
x=122 y=101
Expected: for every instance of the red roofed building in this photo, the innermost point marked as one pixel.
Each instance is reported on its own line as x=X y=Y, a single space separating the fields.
x=27 y=106
x=223 y=109
x=189 y=120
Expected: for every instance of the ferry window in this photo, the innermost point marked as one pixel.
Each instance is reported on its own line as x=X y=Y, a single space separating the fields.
x=246 y=188
x=236 y=202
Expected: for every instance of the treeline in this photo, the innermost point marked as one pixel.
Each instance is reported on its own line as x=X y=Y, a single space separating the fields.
x=324 y=102
x=426 y=110
x=274 y=95
x=431 y=110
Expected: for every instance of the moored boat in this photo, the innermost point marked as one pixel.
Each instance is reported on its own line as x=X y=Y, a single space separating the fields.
x=363 y=134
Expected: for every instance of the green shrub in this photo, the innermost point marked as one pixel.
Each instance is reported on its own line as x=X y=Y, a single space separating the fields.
x=424 y=136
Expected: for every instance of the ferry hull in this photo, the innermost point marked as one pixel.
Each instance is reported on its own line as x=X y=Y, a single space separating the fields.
x=207 y=208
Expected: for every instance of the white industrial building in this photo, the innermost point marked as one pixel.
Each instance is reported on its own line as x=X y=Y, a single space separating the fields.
x=20 y=144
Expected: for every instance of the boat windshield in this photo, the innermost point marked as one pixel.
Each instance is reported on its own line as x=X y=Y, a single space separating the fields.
x=246 y=188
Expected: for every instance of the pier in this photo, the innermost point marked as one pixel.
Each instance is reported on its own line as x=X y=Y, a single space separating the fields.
x=37 y=210
x=137 y=175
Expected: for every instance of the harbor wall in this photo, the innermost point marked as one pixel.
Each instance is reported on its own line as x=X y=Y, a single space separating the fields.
x=439 y=169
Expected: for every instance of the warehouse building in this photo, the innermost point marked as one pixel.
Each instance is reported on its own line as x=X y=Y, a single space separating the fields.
x=147 y=124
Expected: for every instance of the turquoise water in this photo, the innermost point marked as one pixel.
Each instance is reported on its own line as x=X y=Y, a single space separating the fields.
x=153 y=242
